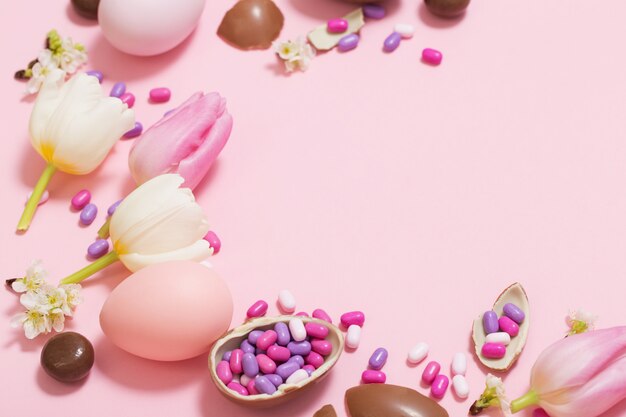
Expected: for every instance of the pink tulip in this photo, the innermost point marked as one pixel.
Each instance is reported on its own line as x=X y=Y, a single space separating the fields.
x=186 y=141
x=580 y=376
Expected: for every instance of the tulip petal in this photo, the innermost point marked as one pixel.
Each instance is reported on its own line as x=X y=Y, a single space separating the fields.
x=198 y=251
x=50 y=95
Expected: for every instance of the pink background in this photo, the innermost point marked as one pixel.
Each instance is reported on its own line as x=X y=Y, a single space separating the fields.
x=371 y=182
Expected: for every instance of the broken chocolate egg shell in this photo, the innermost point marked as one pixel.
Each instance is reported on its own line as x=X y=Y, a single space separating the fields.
x=326 y=411
x=386 y=400
x=233 y=339
x=514 y=294
x=252 y=24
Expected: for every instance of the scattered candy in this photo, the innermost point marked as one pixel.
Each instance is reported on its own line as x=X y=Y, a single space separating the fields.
x=371 y=376
x=513 y=312
x=430 y=372
x=459 y=364
x=460 y=386
x=406 y=30
x=254 y=335
x=98 y=248
x=67 y=357
x=337 y=25
x=297 y=377
x=315 y=330
x=236 y=359
x=88 y=214
x=432 y=56
x=265 y=364
x=299 y=348
x=80 y=199
x=160 y=95
x=134 y=132
x=318 y=313
x=392 y=42
x=296 y=327
x=118 y=89
x=247 y=348
x=44 y=197
x=267 y=339
x=509 y=326
x=112 y=207
x=97 y=74
x=223 y=372
x=490 y=322
x=283 y=336
x=323 y=347
x=440 y=386
x=238 y=388
x=353 y=336
x=374 y=11
x=502 y=338
x=493 y=350
x=418 y=353
x=286 y=301
x=214 y=241
x=378 y=359
x=128 y=99
x=281 y=353
x=352 y=317
x=348 y=42
x=323 y=40
x=314 y=359
x=257 y=309
x=286 y=369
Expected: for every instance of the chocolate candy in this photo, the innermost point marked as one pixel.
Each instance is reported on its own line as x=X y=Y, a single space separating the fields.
x=252 y=24
x=326 y=411
x=447 y=8
x=86 y=8
x=390 y=401
x=67 y=357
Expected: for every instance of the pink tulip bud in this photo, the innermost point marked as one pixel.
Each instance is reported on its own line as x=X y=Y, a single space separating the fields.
x=186 y=141
x=581 y=375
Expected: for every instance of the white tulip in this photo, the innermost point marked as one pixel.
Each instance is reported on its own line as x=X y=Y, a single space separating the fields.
x=73 y=126
x=157 y=222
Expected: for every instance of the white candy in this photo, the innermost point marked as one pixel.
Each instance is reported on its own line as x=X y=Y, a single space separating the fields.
x=297 y=330
x=44 y=197
x=418 y=353
x=287 y=301
x=460 y=385
x=459 y=364
x=244 y=380
x=298 y=376
x=405 y=30
x=499 y=337
x=353 y=337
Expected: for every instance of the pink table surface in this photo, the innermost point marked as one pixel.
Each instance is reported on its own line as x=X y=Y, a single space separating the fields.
x=371 y=182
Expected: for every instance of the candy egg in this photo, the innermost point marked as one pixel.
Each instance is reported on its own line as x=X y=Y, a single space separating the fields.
x=67 y=357
x=144 y=28
x=169 y=311
x=251 y=24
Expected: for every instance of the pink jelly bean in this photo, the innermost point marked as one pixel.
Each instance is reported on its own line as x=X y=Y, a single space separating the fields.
x=337 y=25
x=439 y=387
x=257 y=309
x=309 y=369
x=238 y=388
x=278 y=353
x=160 y=95
x=432 y=56
x=302 y=314
x=509 y=326
x=353 y=317
x=236 y=361
x=223 y=372
x=266 y=364
x=493 y=350
x=214 y=241
x=323 y=347
x=316 y=330
x=251 y=388
x=540 y=412
x=267 y=339
x=314 y=359
x=371 y=376
x=81 y=199
x=318 y=313
x=430 y=372
x=128 y=99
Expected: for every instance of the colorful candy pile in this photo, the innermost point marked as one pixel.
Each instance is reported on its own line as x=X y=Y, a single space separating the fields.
x=499 y=331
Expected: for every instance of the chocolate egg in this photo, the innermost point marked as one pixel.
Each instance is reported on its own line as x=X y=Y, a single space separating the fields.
x=86 y=8
x=326 y=411
x=390 y=400
x=67 y=357
x=252 y=24
x=447 y=8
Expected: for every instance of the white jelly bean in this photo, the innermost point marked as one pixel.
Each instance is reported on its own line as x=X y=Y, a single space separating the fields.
x=287 y=301
x=245 y=380
x=297 y=330
x=418 y=353
x=353 y=337
x=298 y=376
x=502 y=338
x=405 y=30
x=460 y=385
x=44 y=197
x=459 y=364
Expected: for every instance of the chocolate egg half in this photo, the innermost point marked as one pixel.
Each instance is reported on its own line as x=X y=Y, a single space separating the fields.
x=390 y=401
x=447 y=8
x=67 y=357
x=86 y=8
x=252 y=24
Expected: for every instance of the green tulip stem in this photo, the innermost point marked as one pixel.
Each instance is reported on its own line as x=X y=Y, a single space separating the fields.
x=103 y=232
x=33 y=201
x=528 y=399
x=91 y=269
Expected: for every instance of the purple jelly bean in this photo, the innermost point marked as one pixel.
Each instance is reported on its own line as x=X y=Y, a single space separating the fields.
x=112 y=207
x=98 y=248
x=299 y=348
x=297 y=359
x=348 y=42
x=247 y=347
x=490 y=322
x=250 y=365
x=286 y=369
x=226 y=356
x=118 y=89
x=134 y=132
x=88 y=214
x=392 y=42
x=514 y=313
x=254 y=335
x=264 y=385
x=275 y=379
x=373 y=11
x=97 y=74
x=282 y=331
x=378 y=358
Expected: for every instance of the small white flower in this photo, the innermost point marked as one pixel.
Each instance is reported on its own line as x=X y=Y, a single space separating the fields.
x=34 y=323
x=54 y=297
x=34 y=279
x=497 y=384
x=296 y=54
x=73 y=296
x=286 y=50
x=46 y=63
x=580 y=321
x=56 y=320
x=72 y=56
